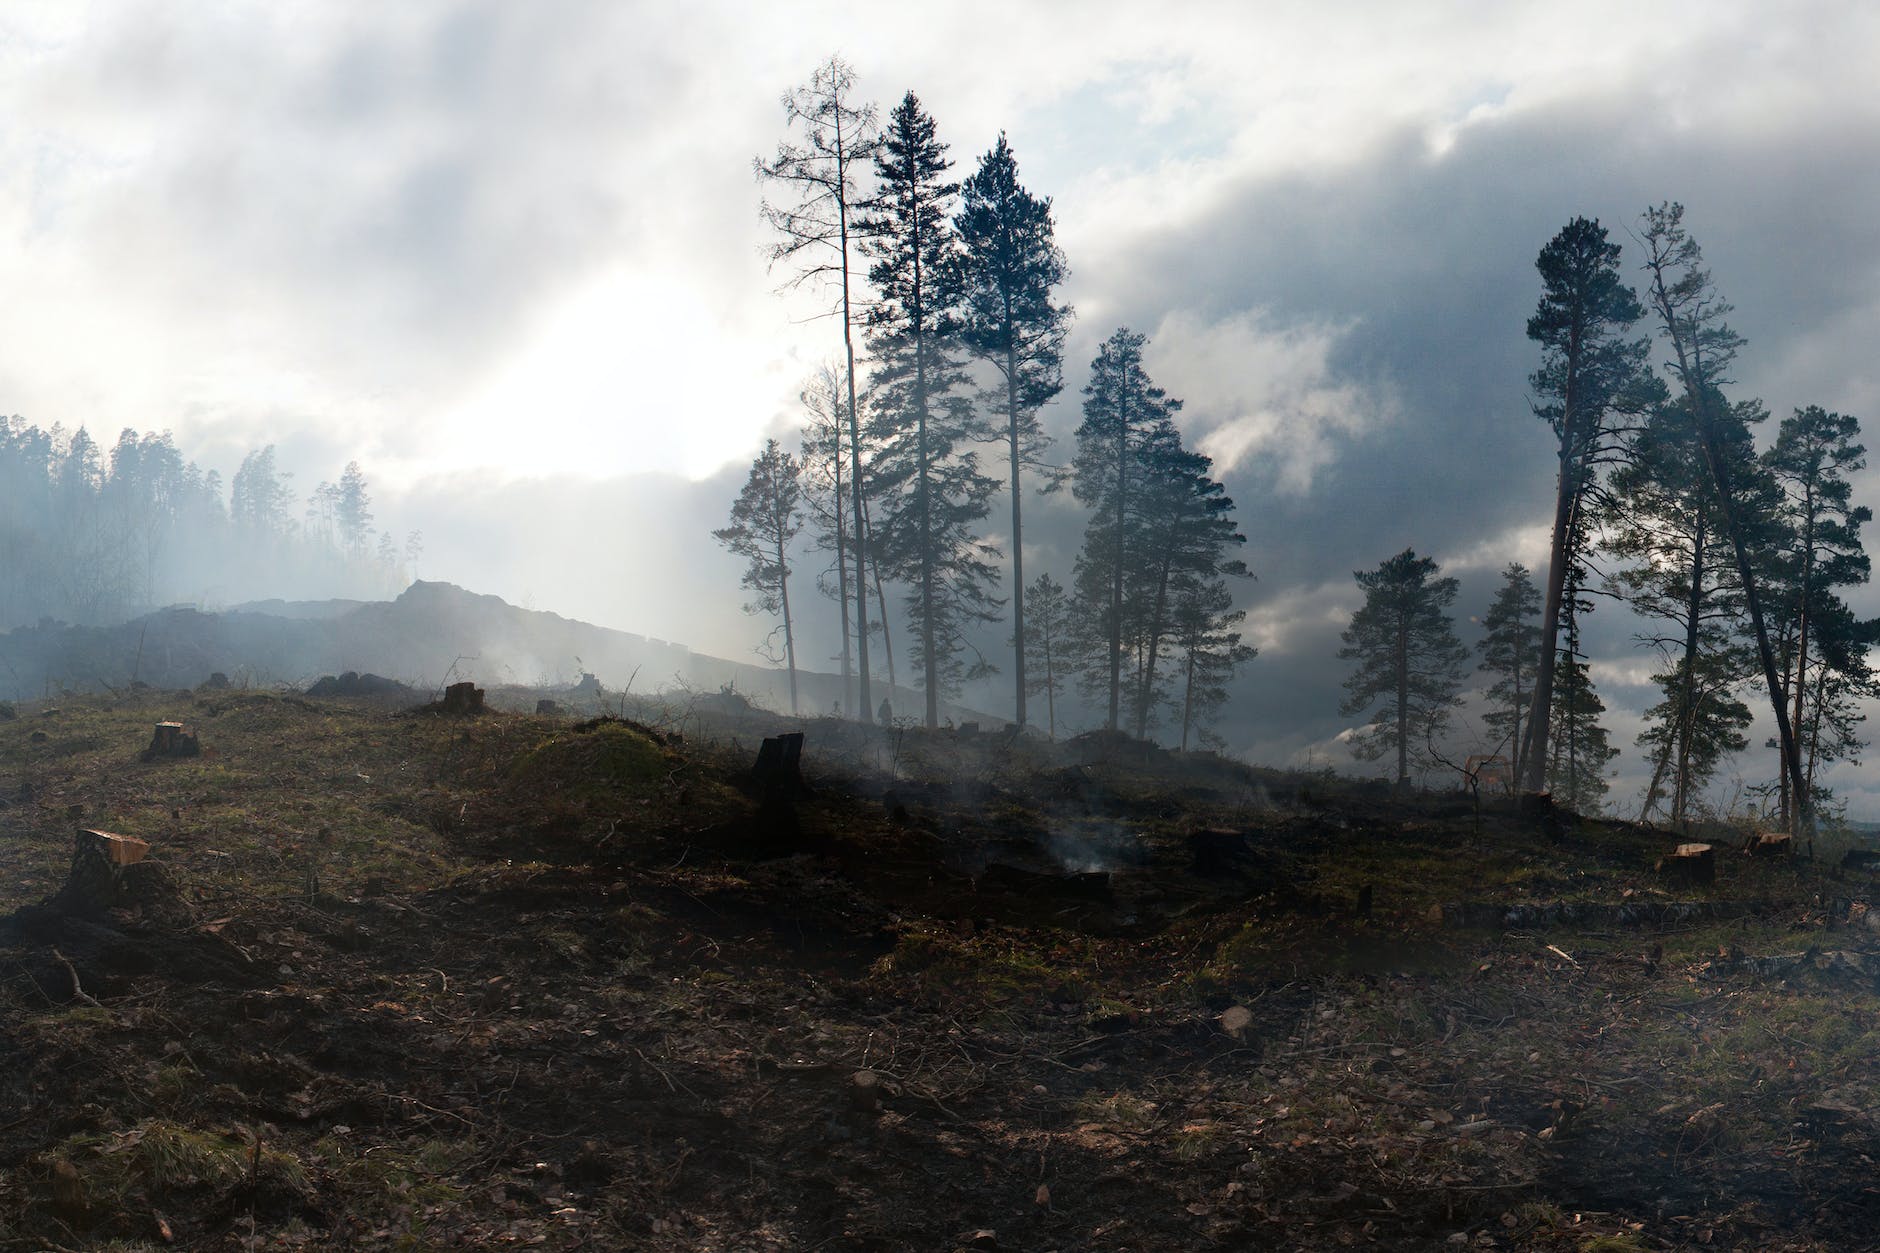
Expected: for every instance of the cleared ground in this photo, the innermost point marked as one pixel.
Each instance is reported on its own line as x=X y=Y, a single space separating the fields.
x=417 y=982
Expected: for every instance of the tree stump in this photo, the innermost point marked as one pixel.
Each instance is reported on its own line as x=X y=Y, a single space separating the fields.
x=1536 y=804
x=95 y=883
x=778 y=774
x=1690 y=864
x=1219 y=852
x=1770 y=844
x=172 y=739
x=462 y=699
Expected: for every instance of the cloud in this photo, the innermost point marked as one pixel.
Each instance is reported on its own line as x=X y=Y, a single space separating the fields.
x=1256 y=392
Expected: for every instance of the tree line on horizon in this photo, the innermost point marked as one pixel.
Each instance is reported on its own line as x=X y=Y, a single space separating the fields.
x=952 y=286
x=1734 y=557
x=90 y=535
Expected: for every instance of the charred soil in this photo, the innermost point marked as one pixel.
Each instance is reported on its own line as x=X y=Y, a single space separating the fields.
x=395 y=981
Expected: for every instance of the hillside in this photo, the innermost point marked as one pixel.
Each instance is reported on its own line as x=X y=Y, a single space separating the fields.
x=396 y=981
x=430 y=632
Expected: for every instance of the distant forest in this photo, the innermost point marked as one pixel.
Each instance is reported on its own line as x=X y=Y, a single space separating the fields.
x=92 y=536
x=1734 y=557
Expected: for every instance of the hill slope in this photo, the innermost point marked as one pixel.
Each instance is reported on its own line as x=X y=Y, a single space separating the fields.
x=431 y=631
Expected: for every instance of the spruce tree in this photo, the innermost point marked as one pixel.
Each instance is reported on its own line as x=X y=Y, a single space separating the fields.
x=1409 y=661
x=926 y=474
x=1009 y=319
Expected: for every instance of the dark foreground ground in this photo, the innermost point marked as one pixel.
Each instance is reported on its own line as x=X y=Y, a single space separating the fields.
x=413 y=982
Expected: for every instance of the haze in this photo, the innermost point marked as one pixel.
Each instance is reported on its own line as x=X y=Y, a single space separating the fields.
x=509 y=259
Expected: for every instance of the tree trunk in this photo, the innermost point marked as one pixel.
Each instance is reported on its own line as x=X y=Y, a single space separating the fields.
x=789 y=634
x=930 y=661
x=1801 y=660
x=1785 y=734
x=842 y=576
x=1686 y=711
x=1540 y=719
x=1403 y=703
x=1515 y=743
x=1147 y=689
x=1018 y=532
x=866 y=711
x=1188 y=697
x=1566 y=497
x=1050 y=684
x=1116 y=575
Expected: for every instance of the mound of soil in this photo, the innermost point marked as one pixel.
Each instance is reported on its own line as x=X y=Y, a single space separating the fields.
x=352 y=683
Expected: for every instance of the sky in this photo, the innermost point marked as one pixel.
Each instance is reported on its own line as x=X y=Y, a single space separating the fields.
x=508 y=256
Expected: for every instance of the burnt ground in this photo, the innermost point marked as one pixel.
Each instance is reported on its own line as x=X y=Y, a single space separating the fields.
x=415 y=982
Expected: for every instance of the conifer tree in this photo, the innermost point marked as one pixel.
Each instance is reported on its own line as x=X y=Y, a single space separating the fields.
x=823 y=458
x=1124 y=415
x=926 y=473
x=1691 y=320
x=1185 y=520
x=352 y=511
x=1814 y=453
x=1009 y=319
x=1579 y=750
x=1205 y=627
x=1408 y=658
x=766 y=516
x=1590 y=374
x=1665 y=526
x=1510 y=652
x=1048 y=645
x=816 y=235
x=260 y=496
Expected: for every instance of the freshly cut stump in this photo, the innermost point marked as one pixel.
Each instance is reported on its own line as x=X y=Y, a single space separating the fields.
x=1690 y=864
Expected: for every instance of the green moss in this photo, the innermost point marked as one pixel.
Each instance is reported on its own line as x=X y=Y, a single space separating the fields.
x=610 y=759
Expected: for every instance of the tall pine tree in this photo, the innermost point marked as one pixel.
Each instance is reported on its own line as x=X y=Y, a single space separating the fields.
x=926 y=474
x=1691 y=320
x=1408 y=658
x=1047 y=645
x=1813 y=455
x=1125 y=414
x=816 y=236
x=1590 y=372
x=1009 y=319
x=765 y=518
x=1510 y=650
